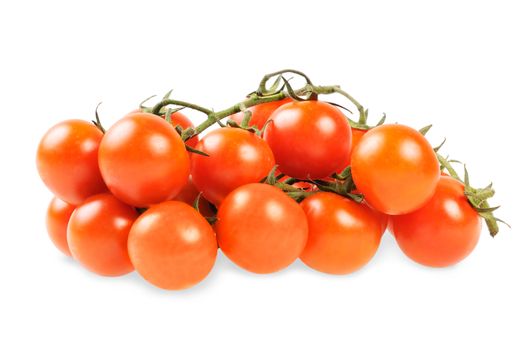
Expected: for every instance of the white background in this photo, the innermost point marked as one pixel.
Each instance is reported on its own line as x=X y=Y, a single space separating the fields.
x=457 y=64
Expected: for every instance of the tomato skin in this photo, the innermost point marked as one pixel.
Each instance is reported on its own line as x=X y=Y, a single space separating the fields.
x=357 y=135
x=260 y=228
x=395 y=168
x=309 y=139
x=143 y=160
x=98 y=234
x=260 y=113
x=172 y=246
x=236 y=157
x=444 y=231
x=189 y=193
x=57 y=218
x=67 y=160
x=178 y=118
x=343 y=235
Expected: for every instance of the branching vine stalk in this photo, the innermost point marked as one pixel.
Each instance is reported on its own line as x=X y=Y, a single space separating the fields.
x=281 y=89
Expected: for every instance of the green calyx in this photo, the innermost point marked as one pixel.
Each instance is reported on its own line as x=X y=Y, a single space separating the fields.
x=477 y=197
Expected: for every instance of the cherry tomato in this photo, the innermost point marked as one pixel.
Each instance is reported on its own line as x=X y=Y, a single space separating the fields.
x=395 y=168
x=309 y=139
x=343 y=235
x=172 y=246
x=178 y=118
x=57 y=218
x=260 y=228
x=98 y=234
x=444 y=231
x=357 y=135
x=236 y=157
x=260 y=113
x=189 y=193
x=143 y=160
x=67 y=160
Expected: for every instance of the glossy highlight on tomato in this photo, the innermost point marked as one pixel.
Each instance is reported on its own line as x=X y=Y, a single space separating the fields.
x=67 y=160
x=395 y=168
x=172 y=246
x=235 y=157
x=444 y=231
x=343 y=235
x=260 y=228
x=143 y=160
x=57 y=218
x=309 y=139
x=98 y=234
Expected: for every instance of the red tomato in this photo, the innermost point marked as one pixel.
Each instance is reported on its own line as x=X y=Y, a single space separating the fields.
x=178 y=118
x=260 y=228
x=395 y=168
x=67 y=160
x=444 y=231
x=343 y=235
x=143 y=160
x=309 y=139
x=357 y=135
x=260 y=113
x=98 y=234
x=57 y=218
x=172 y=246
x=189 y=193
x=236 y=157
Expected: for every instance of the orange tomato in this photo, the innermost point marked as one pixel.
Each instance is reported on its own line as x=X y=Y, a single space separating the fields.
x=98 y=234
x=343 y=235
x=444 y=231
x=57 y=218
x=395 y=168
x=67 y=160
x=143 y=160
x=260 y=113
x=172 y=246
x=260 y=228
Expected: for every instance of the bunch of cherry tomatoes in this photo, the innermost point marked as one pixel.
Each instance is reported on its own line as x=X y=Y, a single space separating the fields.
x=288 y=176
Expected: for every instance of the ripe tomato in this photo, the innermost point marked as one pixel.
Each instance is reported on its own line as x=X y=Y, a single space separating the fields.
x=343 y=235
x=98 y=234
x=236 y=157
x=178 y=118
x=260 y=113
x=395 y=168
x=57 y=218
x=260 y=228
x=309 y=139
x=189 y=193
x=444 y=231
x=67 y=160
x=172 y=246
x=143 y=160
x=357 y=135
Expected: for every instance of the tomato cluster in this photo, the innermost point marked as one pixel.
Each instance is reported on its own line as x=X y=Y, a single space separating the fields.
x=287 y=178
